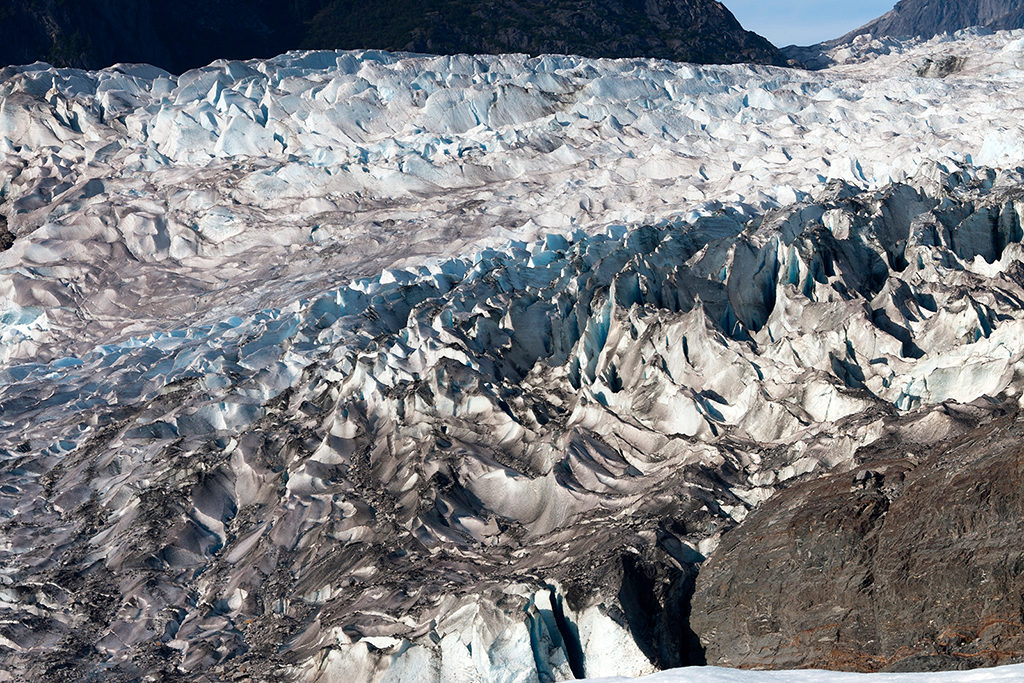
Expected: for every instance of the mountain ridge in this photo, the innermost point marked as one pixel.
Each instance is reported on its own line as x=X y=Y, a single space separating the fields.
x=924 y=19
x=178 y=36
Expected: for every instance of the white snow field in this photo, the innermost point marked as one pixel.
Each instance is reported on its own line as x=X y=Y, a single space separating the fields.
x=342 y=366
x=713 y=675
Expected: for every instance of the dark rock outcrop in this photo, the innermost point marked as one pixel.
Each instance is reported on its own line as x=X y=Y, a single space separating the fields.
x=943 y=67
x=185 y=34
x=926 y=18
x=909 y=563
x=6 y=236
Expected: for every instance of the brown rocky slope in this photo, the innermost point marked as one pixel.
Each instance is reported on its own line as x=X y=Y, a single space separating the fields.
x=913 y=562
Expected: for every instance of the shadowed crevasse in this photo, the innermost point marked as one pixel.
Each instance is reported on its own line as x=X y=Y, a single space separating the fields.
x=655 y=599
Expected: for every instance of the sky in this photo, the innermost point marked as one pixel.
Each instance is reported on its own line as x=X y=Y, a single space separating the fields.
x=805 y=22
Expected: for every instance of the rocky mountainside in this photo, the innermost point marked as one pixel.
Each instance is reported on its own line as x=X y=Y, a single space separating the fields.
x=927 y=18
x=181 y=34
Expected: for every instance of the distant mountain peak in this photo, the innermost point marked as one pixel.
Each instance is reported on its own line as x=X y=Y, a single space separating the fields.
x=927 y=18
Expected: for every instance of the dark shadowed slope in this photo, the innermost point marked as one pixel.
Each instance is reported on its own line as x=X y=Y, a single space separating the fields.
x=185 y=34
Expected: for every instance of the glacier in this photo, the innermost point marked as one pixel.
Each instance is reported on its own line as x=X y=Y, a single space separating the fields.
x=363 y=366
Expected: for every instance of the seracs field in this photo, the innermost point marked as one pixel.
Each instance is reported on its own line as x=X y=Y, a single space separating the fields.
x=378 y=367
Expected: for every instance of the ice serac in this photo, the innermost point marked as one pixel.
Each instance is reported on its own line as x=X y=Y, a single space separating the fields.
x=376 y=367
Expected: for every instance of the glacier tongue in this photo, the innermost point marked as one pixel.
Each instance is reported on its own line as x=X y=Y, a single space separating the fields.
x=371 y=367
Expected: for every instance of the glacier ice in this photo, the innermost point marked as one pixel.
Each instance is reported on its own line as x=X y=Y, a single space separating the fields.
x=377 y=367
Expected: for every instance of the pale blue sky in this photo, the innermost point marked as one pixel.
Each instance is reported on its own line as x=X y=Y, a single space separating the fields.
x=805 y=22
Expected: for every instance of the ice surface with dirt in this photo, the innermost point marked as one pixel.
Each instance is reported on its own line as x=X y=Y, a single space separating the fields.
x=237 y=172
x=378 y=367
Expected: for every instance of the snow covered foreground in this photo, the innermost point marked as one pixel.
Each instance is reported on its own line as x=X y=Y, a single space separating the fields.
x=713 y=675
x=371 y=367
